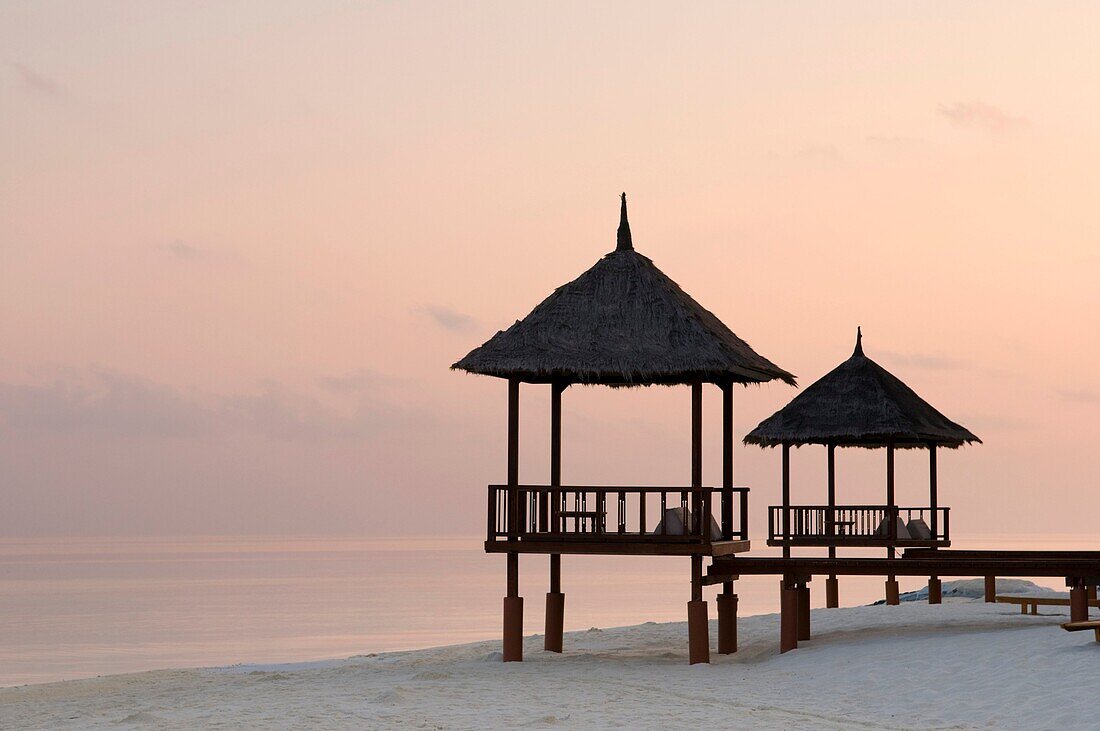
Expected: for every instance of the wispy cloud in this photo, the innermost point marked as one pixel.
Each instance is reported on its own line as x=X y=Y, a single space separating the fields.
x=360 y=381
x=183 y=251
x=1078 y=395
x=104 y=403
x=825 y=154
x=448 y=318
x=981 y=116
x=34 y=82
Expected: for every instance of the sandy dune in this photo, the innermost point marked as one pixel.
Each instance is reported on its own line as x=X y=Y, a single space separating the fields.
x=964 y=664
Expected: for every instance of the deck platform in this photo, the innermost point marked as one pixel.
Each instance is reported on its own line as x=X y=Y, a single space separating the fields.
x=620 y=547
x=1083 y=566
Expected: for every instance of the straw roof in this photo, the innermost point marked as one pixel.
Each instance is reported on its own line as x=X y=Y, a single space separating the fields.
x=859 y=403
x=621 y=323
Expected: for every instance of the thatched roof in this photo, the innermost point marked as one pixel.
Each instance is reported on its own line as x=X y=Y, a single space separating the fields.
x=621 y=323
x=859 y=403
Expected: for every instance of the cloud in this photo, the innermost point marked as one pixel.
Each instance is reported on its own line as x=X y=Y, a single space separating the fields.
x=447 y=318
x=360 y=381
x=103 y=402
x=184 y=251
x=982 y=116
x=1078 y=396
x=823 y=154
x=925 y=361
x=34 y=82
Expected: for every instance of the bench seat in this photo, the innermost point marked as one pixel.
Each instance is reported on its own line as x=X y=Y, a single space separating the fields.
x=1093 y=624
x=1035 y=601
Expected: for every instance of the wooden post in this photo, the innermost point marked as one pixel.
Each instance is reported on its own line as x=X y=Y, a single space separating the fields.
x=727 y=600
x=697 y=454
x=555 y=599
x=891 y=517
x=698 y=629
x=933 y=492
x=990 y=589
x=513 y=458
x=727 y=621
x=788 y=615
x=832 y=586
x=893 y=596
x=513 y=613
x=513 y=602
x=804 y=610
x=1078 y=602
x=786 y=500
x=727 y=461
x=935 y=588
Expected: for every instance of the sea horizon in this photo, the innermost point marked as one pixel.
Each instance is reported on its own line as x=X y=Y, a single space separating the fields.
x=80 y=606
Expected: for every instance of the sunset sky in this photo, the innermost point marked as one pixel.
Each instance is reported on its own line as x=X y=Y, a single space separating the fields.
x=242 y=242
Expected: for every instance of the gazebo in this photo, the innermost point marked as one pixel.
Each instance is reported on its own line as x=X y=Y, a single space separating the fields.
x=622 y=323
x=859 y=404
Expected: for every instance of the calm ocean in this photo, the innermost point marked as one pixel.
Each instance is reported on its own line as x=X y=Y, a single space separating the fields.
x=79 y=607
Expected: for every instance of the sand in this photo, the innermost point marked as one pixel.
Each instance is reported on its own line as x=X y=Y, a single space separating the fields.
x=963 y=664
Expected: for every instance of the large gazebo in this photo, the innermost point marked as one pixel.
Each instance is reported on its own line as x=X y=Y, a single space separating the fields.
x=860 y=404
x=622 y=323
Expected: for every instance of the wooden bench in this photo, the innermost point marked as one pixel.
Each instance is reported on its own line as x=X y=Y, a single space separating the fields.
x=1094 y=625
x=1034 y=601
x=597 y=518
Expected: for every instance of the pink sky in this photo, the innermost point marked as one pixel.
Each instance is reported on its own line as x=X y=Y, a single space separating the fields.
x=241 y=243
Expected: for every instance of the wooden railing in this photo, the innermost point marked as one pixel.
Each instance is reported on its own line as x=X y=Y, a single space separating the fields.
x=526 y=512
x=854 y=524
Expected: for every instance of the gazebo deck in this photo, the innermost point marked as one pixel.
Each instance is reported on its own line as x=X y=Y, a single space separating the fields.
x=707 y=521
x=855 y=525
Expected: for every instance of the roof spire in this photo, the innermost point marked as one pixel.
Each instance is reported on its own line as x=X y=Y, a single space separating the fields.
x=624 y=241
x=859 y=341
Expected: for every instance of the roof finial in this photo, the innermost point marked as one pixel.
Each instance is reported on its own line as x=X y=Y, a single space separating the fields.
x=859 y=341
x=624 y=241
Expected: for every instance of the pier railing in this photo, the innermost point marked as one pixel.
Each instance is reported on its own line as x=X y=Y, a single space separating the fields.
x=856 y=525
x=611 y=513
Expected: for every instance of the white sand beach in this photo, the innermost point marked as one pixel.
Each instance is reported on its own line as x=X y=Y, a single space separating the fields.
x=964 y=664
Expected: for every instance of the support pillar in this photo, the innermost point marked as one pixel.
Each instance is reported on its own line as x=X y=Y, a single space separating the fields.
x=698 y=623
x=893 y=597
x=804 y=611
x=555 y=608
x=786 y=522
x=1078 y=603
x=935 y=590
x=727 y=620
x=990 y=589
x=1090 y=592
x=555 y=599
x=513 y=602
x=788 y=616
x=513 y=614
x=832 y=586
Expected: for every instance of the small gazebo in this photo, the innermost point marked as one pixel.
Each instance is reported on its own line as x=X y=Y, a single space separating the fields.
x=622 y=323
x=860 y=404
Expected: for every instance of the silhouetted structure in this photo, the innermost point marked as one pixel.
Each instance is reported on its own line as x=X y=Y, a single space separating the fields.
x=621 y=323
x=859 y=404
x=624 y=323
